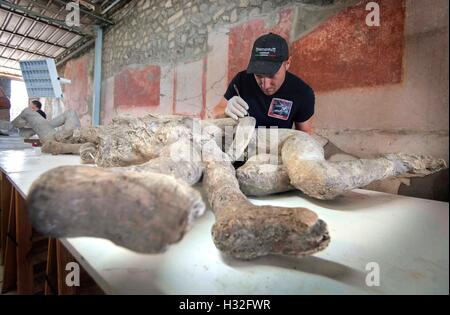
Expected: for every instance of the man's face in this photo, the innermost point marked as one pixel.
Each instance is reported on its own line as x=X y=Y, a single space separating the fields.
x=32 y=106
x=271 y=84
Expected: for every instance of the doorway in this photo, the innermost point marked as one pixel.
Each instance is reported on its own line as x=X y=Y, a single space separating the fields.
x=19 y=98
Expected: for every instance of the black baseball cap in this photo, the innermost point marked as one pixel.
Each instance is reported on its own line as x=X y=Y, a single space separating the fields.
x=268 y=53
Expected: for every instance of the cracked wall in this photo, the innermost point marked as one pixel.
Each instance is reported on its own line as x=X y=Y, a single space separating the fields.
x=195 y=46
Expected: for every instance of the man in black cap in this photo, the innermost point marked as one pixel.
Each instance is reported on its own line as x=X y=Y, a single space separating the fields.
x=268 y=92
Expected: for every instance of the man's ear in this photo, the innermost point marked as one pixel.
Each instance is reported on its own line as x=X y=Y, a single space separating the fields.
x=288 y=63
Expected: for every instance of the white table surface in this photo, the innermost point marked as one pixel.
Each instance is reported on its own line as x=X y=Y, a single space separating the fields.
x=32 y=160
x=13 y=142
x=407 y=237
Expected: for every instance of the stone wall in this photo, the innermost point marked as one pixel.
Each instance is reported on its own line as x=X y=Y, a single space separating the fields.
x=147 y=53
x=177 y=57
x=174 y=31
x=78 y=95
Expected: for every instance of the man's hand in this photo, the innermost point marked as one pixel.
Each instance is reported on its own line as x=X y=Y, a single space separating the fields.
x=236 y=107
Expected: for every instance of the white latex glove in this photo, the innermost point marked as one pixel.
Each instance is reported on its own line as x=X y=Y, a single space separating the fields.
x=236 y=107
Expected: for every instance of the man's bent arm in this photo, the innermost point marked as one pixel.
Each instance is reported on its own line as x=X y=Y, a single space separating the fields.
x=305 y=126
x=219 y=110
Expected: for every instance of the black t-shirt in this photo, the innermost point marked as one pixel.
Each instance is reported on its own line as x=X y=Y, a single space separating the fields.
x=293 y=102
x=42 y=113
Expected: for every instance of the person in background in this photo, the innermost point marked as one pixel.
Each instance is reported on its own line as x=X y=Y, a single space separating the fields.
x=37 y=106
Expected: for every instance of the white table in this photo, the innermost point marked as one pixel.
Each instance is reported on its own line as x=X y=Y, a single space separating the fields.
x=407 y=237
x=13 y=142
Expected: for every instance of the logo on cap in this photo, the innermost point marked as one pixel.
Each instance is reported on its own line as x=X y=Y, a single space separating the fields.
x=265 y=52
x=268 y=53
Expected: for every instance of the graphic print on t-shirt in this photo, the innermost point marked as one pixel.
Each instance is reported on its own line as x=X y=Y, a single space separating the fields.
x=280 y=108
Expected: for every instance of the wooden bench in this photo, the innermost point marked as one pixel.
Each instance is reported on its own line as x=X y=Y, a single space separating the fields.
x=33 y=264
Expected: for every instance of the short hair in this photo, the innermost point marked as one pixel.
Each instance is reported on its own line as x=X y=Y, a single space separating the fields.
x=37 y=104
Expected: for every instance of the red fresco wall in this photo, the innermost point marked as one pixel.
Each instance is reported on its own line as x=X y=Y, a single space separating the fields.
x=137 y=87
x=78 y=94
x=241 y=40
x=344 y=52
x=341 y=53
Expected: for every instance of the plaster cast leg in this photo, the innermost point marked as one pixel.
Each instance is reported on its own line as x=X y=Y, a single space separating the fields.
x=309 y=172
x=246 y=231
x=306 y=169
x=262 y=175
x=55 y=148
x=137 y=211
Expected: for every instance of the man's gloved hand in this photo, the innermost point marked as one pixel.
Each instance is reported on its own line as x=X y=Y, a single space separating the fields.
x=236 y=107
